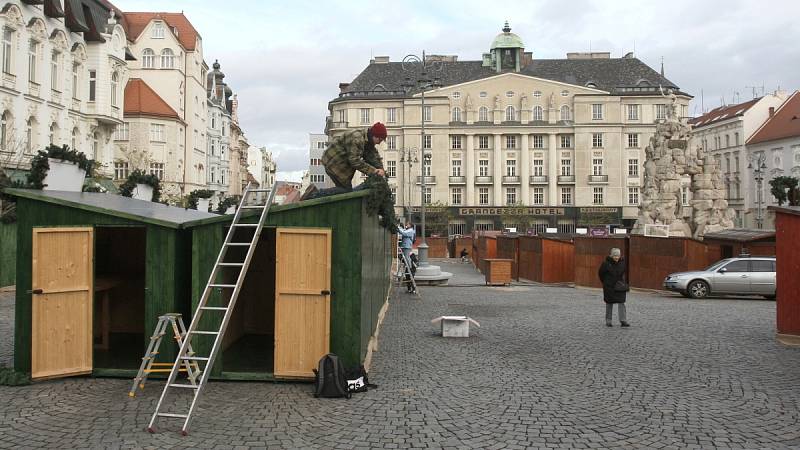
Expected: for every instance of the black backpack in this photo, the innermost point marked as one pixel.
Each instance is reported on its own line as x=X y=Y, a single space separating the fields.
x=331 y=381
x=358 y=380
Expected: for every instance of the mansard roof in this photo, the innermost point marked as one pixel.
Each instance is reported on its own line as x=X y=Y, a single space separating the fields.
x=618 y=76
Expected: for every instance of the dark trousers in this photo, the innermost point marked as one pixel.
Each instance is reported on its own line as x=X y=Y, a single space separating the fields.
x=340 y=187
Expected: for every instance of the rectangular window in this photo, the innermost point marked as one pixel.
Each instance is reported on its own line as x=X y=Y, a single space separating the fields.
x=483 y=168
x=511 y=167
x=483 y=142
x=511 y=196
x=633 y=196
x=158 y=30
x=538 y=167
x=511 y=142
x=364 y=115
x=427 y=141
x=55 y=64
x=391 y=168
x=156 y=132
x=661 y=112
x=392 y=190
x=427 y=114
x=391 y=143
x=456 y=196
x=391 y=115
x=428 y=196
x=122 y=132
x=483 y=196
x=538 y=196
x=426 y=166
x=33 y=51
x=8 y=50
x=633 y=167
x=727 y=140
x=455 y=167
x=120 y=170
x=566 y=196
x=597 y=165
x=597 y=111
x=633 y=112
x=566 y=141
x=736 y=139
x=597 y=140
x=157 y=169
x=566 y=167
x=92 y=85
x=455 y=142
x=538 y=141
x=75 y=80
x=597 y=196
x=633 y=140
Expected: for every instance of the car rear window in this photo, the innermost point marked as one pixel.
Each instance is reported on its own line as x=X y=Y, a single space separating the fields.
x=737 y=266
x=763 y=265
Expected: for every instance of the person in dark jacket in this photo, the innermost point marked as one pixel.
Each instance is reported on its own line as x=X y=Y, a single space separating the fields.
x=611 y=272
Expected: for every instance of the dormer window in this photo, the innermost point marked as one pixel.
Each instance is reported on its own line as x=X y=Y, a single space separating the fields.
x=158 y=30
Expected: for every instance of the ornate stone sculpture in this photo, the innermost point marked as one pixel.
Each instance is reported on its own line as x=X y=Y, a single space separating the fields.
x=670 y=157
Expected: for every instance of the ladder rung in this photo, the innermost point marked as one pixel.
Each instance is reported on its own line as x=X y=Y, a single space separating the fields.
x=260 y=190
x=194 y=358
x=204 y=332
x=230 y=264
x=246 y=225
x=239 y=244
x=177 y=416
x=254 y=207
x=213 y=308
x=229 y=286
x=185 y=386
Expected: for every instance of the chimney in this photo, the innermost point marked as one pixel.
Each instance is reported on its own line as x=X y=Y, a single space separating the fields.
x=380 y=60
x=771 y=111
x=343 y=86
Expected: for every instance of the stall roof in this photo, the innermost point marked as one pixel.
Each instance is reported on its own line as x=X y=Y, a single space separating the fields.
x=116 y=205
x=741 y=235
x=795 y=210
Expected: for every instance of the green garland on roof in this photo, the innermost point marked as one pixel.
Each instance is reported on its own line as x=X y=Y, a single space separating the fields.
x=40 y=166
x=140 y=177
x=379 y=201
x=227 y=202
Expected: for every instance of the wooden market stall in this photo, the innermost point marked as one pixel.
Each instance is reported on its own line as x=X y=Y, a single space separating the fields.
x=508 y=248
x=787 y=226
x=459 y=243
x=546 y=260
x=437 y=247
x=8 y=254
x=590 y=252
x=283 y=321
x=737 y=241
x=486 y=248
x=651 y=259
x=94 y=272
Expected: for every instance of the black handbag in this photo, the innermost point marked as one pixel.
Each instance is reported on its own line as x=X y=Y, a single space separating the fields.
x=621 y=286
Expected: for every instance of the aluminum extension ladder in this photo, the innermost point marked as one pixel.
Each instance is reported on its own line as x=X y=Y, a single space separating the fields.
x=165 y=322
x=185 y=354
x=404 y=275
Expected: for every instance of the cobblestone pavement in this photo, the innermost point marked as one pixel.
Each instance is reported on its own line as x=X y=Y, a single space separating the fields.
x=543 y=371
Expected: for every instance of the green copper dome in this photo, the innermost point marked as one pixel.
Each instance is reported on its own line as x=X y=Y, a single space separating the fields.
x=507 y=39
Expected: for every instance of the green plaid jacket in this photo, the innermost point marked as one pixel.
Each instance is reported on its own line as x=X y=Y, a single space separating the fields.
x=349 y=152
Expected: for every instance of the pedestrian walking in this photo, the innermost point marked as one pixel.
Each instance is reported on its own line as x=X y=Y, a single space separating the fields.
x=615 y=288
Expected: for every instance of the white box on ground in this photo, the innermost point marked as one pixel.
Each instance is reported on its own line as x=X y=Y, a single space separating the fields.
x=455 y=326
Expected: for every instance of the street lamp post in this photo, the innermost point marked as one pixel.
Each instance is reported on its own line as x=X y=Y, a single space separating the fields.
x=422 y=66
x=408 y=155
x=758 y=176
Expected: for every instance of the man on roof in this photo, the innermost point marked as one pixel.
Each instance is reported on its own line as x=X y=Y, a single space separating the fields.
x=347 y=153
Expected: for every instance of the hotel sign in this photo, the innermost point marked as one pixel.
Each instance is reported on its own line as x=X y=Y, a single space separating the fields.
x=511 y=211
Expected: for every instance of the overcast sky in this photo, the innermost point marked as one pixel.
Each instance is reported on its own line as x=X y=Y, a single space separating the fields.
x=285 y=61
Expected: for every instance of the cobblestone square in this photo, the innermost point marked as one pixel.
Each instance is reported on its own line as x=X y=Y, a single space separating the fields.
x=542 y=371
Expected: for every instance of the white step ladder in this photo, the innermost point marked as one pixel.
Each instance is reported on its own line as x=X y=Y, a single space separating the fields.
x=175 y=322
x=185 y=353
x=404 y=275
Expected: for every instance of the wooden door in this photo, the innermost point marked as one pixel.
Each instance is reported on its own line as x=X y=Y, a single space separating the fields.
x=61 y=337
x=302 y=300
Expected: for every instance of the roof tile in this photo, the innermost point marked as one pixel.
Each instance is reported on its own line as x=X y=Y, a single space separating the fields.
x=136 y=22
x=783 y=124
x=722 y=113
x=141 y=99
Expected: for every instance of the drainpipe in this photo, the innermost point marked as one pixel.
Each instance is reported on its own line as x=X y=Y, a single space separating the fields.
x=186 y=129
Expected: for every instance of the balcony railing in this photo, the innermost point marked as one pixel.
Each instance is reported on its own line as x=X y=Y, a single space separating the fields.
x=429 y=179
x=538 y=179
x=566 y=179
x=598 y=178
x=458 y=180
x=511 y=180
x=338 y=124
x=483 y=180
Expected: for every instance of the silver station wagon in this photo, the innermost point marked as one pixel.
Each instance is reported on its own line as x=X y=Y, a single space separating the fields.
x=732 y=276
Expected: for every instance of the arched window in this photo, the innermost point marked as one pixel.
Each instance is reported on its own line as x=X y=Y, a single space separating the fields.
x=5 y=129
x=167 y=59
x=537 y=113
x=53 y=135
x=511 y=113
x=483 y=114
x=114 y=88
x=456 y=114
x=148 y=59
x=565 y=113
x=75 y=138
x=30 y=134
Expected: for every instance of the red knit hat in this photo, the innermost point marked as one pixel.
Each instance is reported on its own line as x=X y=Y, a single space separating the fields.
x=379 y=130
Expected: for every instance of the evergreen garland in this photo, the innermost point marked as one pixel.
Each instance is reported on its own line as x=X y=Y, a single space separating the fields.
x=379 y=201
x=227 y=202
x=40 y=166
x=197 y=194
x=140 y=177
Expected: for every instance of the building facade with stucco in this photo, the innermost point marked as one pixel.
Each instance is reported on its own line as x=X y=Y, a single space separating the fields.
x=513 y=140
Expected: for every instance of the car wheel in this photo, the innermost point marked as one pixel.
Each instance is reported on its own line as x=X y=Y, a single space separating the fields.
x=698 y=289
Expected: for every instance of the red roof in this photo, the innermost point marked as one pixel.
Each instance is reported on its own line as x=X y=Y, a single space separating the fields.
x=136 y=22
x=142 y=100
x=783 y=124
x=722 y=113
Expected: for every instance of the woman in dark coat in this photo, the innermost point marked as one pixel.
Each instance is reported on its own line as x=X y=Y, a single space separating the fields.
x=611 y=272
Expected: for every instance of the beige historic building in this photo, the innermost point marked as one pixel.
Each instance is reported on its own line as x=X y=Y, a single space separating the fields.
x=262 y=166
x=554 y=142
x=218 y=132
x=238 y=152
x=169 y=63
x=63 y=72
